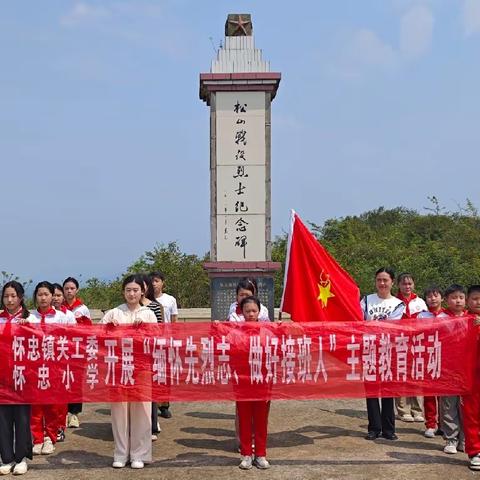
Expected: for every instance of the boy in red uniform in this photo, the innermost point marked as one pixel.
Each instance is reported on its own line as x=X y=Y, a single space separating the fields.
x=471 y=403
x=450 y=411
x=433 y=298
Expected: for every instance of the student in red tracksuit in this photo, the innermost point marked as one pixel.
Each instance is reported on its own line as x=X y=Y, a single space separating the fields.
x=82 y=317
x=252 y=415
x=433 y=299
x=450 y=411
x=44 y=419
x=471 y=403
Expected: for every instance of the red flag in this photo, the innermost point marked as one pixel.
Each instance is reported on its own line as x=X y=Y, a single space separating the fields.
x=316 y=288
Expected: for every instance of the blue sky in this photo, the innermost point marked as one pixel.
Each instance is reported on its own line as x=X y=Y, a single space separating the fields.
x=104 y=141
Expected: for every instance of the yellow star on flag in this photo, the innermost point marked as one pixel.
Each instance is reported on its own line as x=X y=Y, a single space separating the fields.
x=324 y=292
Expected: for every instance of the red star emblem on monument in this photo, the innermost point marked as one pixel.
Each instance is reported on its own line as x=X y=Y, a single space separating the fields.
x=240 y=24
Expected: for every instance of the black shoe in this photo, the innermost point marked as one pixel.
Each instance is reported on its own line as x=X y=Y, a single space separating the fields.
x=439 y=432
x=165 y=412
x=389 y=436
x=372 y=435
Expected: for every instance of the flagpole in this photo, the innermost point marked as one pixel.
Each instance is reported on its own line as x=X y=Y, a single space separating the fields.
x=287 y=260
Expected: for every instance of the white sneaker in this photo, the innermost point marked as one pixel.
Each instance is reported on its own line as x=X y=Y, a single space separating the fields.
x=406 y=418
x=37 y=449
x=430 y=432
x=475 y=462
x=154 y=437
x=158 y=427
x=451 y=446
x=6 y=468
x=21 y=467
x=262 y=463
x=118 y=464
x=48 y=447
x=418 y=418
x=246 y=462
x=73 y=421
x=137 y=464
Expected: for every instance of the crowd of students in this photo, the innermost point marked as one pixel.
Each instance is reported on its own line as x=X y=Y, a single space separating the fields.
x=456 y=419
x=29 y=430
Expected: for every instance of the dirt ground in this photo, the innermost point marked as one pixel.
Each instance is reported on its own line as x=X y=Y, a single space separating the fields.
x=307 y=440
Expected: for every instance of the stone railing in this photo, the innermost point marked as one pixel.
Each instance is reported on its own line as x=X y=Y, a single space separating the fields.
x=186 y=315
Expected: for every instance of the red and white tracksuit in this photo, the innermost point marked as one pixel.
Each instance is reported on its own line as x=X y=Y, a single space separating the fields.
x=45 y=419
x=471 y=412
x=414 y=305
x=253 y=420
x=451 y=411
x=430 y=404
x=80 y=312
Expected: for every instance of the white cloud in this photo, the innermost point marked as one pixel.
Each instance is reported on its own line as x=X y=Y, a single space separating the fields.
x=368 y=49
x=362 y=50
x=471 y=16
x=143 y=24
x=83 y=13
x=416 y=31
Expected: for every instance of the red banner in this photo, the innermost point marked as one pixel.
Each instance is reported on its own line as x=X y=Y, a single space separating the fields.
x=236 y=361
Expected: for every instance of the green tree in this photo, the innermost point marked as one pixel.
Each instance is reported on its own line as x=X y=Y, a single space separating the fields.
x=438 y=247
x=185 y=276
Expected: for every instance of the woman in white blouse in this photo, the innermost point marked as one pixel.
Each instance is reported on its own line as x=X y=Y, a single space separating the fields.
x=131 y=421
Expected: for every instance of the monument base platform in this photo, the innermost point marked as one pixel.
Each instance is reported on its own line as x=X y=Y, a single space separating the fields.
x=224 y=277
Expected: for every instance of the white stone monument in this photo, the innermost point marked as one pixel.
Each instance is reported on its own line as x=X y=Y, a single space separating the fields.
x=239 y=90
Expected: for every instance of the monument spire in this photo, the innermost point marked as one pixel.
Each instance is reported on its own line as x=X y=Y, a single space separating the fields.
x=239 y=90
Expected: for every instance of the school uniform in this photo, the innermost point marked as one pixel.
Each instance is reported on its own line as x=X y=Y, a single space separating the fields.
x=414 y=305
x=431 y=404
x=451 y=421
x=381 y=414
x=470 y=405
x=45 y=418
x=131 y=421
x=251 y=420
x=63 y=410
x=82 y=317
x=15 y=436
x=235 y=313
x=80 y=312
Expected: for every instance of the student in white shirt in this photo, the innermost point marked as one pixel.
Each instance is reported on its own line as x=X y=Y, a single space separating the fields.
x=170 y=315
x=168 y=302
x=15 y=434
x=382 y=305
x=409 y=409
x=131 y=421
x=246 y=287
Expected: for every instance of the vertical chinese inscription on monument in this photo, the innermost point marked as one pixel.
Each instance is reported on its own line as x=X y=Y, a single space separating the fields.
x=241 y=176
